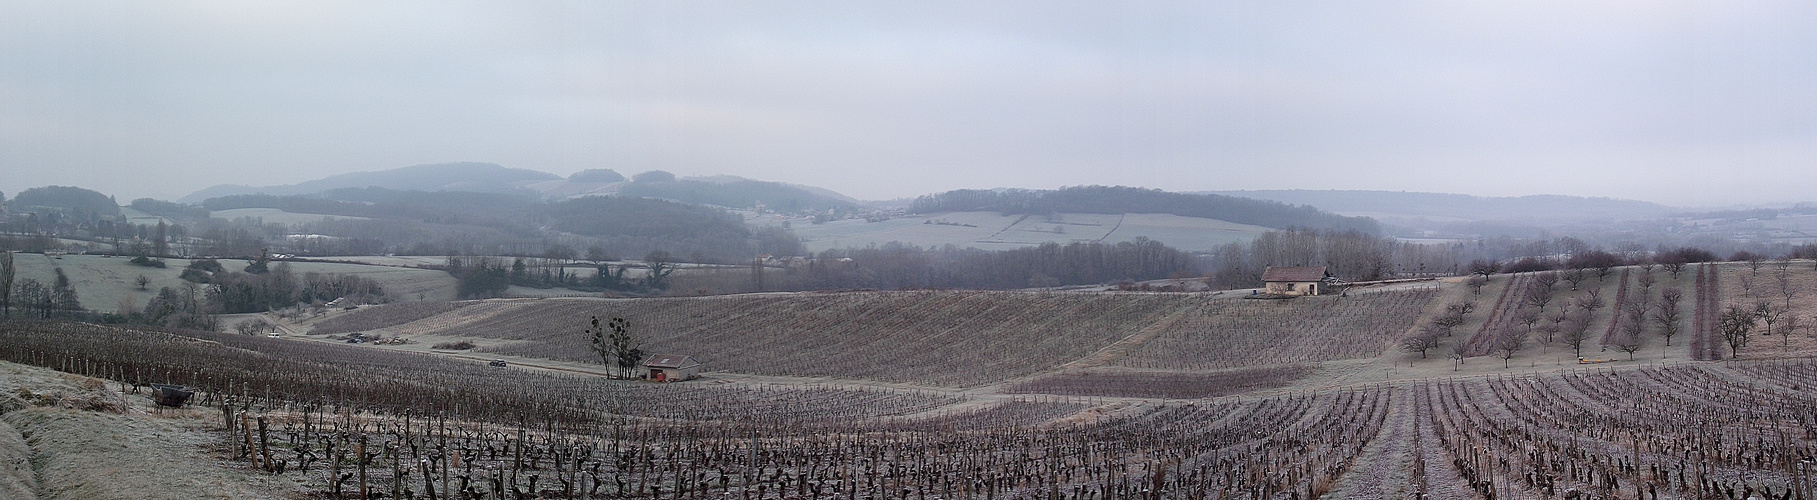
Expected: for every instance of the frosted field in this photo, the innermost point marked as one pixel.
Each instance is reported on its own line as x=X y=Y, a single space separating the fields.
x=993 y=231
x=273 y=215
x=102 y=282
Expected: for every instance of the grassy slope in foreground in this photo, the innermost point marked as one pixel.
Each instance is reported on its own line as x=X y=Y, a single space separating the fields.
x=78 y=437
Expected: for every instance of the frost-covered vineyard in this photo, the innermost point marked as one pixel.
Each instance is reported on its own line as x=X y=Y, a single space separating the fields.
x=939 y=338
x=947 y=394
x=1689 y=431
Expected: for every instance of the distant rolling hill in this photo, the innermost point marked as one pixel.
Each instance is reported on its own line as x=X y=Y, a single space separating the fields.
x=987 y=219
x=996 y=231
x=1013 y=218
x=1130 y=200
x=1394 y=205
x=723 y=190
x=467 y=176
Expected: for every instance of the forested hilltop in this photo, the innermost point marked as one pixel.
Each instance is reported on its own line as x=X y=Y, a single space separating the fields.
x=738 y=193
x=471 y=223
x=1120 y=199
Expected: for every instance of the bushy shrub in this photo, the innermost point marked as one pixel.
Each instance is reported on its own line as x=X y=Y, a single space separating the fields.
x=147 y=262
x=454 y=346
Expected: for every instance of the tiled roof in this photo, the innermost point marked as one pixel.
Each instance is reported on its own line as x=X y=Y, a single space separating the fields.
x=1274 y=274
x=670 y=361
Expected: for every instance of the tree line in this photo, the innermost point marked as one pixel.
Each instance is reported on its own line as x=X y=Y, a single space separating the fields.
x=33 y=299
x=208 y=290
x=1358 y=256
x=369 y=221
x=482 y=277
x=1350 y=255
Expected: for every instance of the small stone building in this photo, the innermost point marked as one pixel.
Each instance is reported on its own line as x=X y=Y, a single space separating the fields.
x=671 y=367
x=1295 y=280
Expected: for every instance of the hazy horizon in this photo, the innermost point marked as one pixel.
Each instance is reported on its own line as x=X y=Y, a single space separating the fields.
x=1678 y=103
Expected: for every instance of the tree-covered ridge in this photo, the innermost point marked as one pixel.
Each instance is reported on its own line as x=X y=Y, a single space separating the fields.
x=683 y=230
x=597 y=175
x=736 y=194
x=462 y=176
x=170 y=210
x=625 y=225
x=82 y=203
x=1121 y=199
x=381 y=203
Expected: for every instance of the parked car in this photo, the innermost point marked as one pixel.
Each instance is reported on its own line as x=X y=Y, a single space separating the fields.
x=496 y=362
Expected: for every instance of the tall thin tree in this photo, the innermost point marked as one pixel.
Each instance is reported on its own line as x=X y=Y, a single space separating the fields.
x=6 y=283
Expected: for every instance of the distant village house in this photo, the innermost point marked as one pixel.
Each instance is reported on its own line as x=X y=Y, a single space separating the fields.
x=671 y=367
x=1295 y=280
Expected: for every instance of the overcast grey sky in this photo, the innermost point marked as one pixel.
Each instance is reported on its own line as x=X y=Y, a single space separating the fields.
x=1685 y=103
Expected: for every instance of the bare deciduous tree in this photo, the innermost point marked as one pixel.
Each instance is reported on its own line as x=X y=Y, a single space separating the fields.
x=1592 y=301
x=661 y=265
x=1667 y=314
x=1538 y=295
x=1460 y=308
x=1786 y=330
x=1784 y=274
x=1546 y=279
x=615 y=347
x=1448 y=321
x=1508 y=342
x=1476 y=284
x=1574 y=277
x=1423 y=340
x=1460 y=351
x=1603 y=272
x=6 y=283
x=1629 y=344
x=1551 y=331
x=1736 y=324
x=1483 y=267
x=1527 y=316
x=1576 y=329
x=1768 y=314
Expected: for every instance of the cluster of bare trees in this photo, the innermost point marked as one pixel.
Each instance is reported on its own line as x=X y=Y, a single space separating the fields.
x=1352 y=256
x=1764 y=306
x=1431 y=334
x=1533 y=304
x=33 y=298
